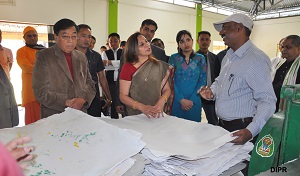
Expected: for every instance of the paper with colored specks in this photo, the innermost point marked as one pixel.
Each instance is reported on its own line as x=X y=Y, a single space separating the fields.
x=74 y=143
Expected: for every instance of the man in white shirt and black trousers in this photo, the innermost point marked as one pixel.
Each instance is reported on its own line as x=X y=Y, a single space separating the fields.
x=111 y=61
x=243 y=92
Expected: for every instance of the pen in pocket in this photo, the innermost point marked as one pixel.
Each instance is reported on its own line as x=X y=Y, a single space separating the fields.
x=230 y=77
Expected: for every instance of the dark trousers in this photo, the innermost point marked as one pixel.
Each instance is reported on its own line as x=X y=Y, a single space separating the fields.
x=210 y=113
x=233 y=126
x=238 y=126
x=112 y=88
x=96 y=105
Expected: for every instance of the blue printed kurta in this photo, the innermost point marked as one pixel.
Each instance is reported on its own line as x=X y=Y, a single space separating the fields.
x=188 y=78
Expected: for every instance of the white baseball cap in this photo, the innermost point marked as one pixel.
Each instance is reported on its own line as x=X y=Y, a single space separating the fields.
x=238 y=18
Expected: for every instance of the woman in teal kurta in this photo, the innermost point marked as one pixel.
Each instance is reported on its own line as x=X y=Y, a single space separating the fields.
x=189 y=76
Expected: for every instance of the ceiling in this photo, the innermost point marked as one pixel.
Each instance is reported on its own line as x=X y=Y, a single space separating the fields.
x=256 y=8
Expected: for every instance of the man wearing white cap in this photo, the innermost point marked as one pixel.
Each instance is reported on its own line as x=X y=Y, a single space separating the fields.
x=243 y=92
x=26 y=59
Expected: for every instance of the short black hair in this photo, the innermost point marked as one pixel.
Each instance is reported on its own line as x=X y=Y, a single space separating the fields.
x=149 y=22
x=64 y=24
x=248 y=31
x=114 y=35
x=103 y=47
x=84 y=26
x=204 y=32
x=295 y=39
x=157 y=39
x=93 y=37
x=123 y=43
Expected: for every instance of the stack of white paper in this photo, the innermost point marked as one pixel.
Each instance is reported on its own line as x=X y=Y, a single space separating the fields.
x=176 y=146
x=74 y=143
x=210 y=164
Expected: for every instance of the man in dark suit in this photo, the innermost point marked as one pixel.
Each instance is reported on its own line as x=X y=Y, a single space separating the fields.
x=213 y=70
x=148 y=29
x=61 y=76
x=9 y=116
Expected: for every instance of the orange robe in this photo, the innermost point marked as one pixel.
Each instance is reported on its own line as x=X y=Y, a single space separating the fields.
x=26 y=59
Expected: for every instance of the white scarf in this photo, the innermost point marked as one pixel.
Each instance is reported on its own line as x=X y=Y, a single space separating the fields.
x=291 y=76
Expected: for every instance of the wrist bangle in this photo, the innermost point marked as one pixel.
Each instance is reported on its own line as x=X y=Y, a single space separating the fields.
x=134 y=104
x=165 y=97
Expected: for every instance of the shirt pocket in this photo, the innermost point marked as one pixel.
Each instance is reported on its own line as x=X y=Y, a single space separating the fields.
x=235 y=87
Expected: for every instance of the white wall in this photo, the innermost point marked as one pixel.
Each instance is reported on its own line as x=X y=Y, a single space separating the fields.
x=91 y=12
x=267 y=33
x=208 y=18
x=170 y=19
x=95 y=15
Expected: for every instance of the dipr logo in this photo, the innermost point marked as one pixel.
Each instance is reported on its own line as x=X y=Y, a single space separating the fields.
x=278 y=169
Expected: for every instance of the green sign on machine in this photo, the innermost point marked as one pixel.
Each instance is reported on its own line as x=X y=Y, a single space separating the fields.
x=265 y=146
x=279 y=141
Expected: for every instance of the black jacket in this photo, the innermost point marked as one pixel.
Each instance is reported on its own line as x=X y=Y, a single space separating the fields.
x=215 y=67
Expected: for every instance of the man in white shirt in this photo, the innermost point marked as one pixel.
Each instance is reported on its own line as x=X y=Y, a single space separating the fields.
x=111 y=61
x=243 y=92
x=276 y=61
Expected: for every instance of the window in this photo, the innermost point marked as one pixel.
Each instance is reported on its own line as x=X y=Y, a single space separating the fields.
x=218 y=46
x=180 y=2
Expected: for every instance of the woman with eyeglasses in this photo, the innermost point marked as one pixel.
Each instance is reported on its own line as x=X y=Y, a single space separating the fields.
x=189 y=76
x=144 y=86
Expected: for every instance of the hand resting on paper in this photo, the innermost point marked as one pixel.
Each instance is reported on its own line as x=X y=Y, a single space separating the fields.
x=75 y=103
x=20 y=153
x=242 y=135
x=150 y=111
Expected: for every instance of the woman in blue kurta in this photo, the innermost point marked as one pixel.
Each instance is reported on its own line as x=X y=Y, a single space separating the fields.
x=190 y=75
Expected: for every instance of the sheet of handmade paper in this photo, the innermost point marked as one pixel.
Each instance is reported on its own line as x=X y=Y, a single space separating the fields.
x=170 y=135
x=74 y=143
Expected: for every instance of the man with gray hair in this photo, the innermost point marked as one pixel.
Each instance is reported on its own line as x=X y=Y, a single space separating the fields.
x=243 y=92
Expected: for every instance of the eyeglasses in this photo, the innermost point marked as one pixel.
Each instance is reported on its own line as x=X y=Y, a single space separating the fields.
x=66 y=37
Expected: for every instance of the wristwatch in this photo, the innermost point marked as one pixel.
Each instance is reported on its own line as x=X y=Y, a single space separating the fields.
x=85 y=103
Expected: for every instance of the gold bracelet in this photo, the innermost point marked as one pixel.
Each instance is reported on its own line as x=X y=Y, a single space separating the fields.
x=134 y=104
x=165 y=97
